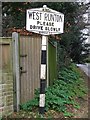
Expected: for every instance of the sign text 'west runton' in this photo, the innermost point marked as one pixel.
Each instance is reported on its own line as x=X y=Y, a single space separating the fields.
x=44 y=21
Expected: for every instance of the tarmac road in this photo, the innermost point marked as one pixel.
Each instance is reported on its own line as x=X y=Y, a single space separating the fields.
x=85 y=68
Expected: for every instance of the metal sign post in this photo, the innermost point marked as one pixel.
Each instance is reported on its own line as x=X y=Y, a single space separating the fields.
x=43 y=72
x=44 y=21
x=43 y=75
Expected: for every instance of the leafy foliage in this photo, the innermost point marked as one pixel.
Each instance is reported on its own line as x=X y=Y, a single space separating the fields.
x=64 y=91
x=87 y=60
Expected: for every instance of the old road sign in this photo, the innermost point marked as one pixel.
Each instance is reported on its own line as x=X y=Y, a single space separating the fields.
x=44 y=21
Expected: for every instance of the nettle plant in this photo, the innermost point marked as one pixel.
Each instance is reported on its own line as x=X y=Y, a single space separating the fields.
x=63 y=92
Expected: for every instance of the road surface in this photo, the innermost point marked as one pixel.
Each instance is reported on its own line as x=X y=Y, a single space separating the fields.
x=85 y=68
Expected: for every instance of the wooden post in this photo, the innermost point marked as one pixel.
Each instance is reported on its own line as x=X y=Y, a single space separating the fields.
x=16 y=68
x=0 y=19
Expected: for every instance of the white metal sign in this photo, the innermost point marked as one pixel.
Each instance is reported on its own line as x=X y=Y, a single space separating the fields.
x=44 y=21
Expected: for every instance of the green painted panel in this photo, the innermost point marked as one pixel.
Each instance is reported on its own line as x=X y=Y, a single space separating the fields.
x=52 y=63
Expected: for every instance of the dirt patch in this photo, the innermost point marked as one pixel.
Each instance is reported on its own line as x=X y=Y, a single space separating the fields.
x=84 y=103
x=83 y=111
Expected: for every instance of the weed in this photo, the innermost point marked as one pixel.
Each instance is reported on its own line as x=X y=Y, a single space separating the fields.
x=64 y=90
